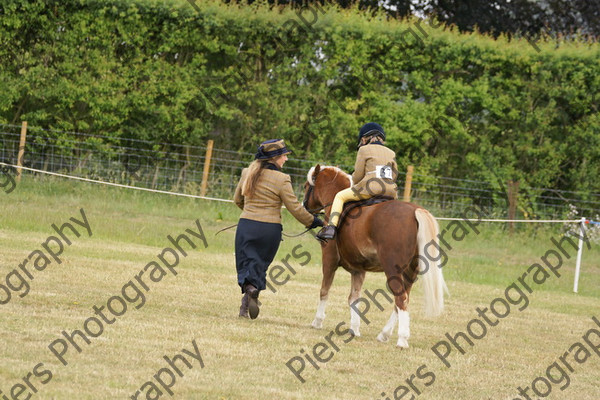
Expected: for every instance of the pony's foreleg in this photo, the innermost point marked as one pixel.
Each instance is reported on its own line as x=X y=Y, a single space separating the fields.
x=357 y=279
x=320 y=315
x=328 y=274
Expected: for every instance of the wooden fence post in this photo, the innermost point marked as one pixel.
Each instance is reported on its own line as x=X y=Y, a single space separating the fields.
x=21 y=152
x=207 y=158
x=408 y=183
x=513 y=194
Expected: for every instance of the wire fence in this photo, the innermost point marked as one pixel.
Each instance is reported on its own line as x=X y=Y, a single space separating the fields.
x=179 y=168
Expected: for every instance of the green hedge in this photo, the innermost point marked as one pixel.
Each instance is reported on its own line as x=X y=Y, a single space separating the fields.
x=464 y=106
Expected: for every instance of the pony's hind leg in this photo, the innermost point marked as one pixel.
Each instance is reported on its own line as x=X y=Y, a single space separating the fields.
x=401 y=307
x=357 y=279
x=403 y=328
x=400 y=287
x=388 y=329
x=401 y=317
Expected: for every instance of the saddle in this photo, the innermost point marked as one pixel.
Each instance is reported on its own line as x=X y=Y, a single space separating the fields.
x=351 y=205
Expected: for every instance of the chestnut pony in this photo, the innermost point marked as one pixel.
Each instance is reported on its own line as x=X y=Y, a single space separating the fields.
x=398 y=238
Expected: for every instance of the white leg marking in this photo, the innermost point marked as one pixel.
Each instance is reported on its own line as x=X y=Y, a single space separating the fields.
x=403 y=328
x=354 y=322
x=387 y=330
x=320 y=316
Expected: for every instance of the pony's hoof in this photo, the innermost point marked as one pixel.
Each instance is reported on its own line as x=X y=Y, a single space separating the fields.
x=402 y=343
x=383 y=338
x=317 y=323
x=354 y=332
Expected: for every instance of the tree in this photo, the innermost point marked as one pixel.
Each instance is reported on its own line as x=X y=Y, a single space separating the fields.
x=529 y=18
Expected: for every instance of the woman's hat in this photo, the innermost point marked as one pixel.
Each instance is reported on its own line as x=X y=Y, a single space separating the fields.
x=271 y=148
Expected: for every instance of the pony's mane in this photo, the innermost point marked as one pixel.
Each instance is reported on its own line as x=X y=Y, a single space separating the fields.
x=336 y=170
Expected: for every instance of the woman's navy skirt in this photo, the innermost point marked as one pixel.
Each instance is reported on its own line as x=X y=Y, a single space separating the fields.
x=256 y=244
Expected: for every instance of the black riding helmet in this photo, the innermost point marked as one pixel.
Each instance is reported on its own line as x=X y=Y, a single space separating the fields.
x=370 y=129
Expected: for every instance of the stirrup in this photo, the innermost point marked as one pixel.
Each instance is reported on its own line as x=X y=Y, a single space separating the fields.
x=327 y=233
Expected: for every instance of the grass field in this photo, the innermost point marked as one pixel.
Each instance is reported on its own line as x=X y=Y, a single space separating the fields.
x=247 y=359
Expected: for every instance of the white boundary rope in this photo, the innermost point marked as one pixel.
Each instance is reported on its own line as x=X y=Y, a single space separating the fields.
x=582 y=221
x=118 y=184
x=512 y=220
x=231 y=201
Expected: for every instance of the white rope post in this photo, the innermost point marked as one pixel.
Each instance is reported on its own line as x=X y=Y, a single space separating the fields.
x=579 y=251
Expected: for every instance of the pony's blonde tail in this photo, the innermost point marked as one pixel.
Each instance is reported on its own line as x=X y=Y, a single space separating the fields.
x=430 y=271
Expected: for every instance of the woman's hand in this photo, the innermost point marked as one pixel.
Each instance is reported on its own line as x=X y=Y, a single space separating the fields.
x=316 y=222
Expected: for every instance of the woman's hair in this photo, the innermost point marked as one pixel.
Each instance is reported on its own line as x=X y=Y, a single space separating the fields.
x=254 y=171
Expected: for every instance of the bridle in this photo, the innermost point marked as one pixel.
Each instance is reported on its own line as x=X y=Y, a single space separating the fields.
x=313 y=211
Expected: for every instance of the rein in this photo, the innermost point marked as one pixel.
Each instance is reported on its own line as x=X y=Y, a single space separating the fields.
x=283 y=233
x=293 y=236
x=224 y=229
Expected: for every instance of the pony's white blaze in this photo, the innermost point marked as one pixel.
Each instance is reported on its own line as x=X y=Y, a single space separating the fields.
x=431 y=278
